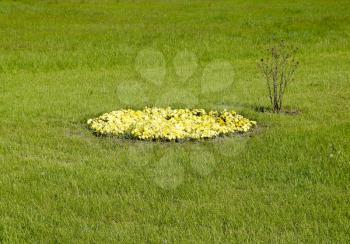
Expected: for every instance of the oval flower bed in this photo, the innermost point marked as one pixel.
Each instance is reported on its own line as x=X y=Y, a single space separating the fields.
x=169 y=124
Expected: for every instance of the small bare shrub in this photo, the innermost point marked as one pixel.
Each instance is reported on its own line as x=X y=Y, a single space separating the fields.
x=278 y=70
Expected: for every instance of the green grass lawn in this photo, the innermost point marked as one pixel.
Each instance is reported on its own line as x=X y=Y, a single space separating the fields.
x=61 y=63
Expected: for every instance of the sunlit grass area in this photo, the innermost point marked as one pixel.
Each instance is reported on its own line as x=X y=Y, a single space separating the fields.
x=63 y=62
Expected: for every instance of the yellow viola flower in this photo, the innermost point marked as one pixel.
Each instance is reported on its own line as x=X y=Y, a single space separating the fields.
x=169 y=124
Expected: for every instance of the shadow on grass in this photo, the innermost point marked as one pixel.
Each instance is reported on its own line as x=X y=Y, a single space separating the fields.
x=285 y=111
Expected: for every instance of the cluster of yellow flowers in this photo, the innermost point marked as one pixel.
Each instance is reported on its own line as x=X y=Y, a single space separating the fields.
x=169 y=124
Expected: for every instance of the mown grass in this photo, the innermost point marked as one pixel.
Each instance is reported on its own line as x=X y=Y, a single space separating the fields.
x=61 y=63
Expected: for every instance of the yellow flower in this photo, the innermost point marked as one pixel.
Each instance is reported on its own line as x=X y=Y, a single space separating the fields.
x=169 y=124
